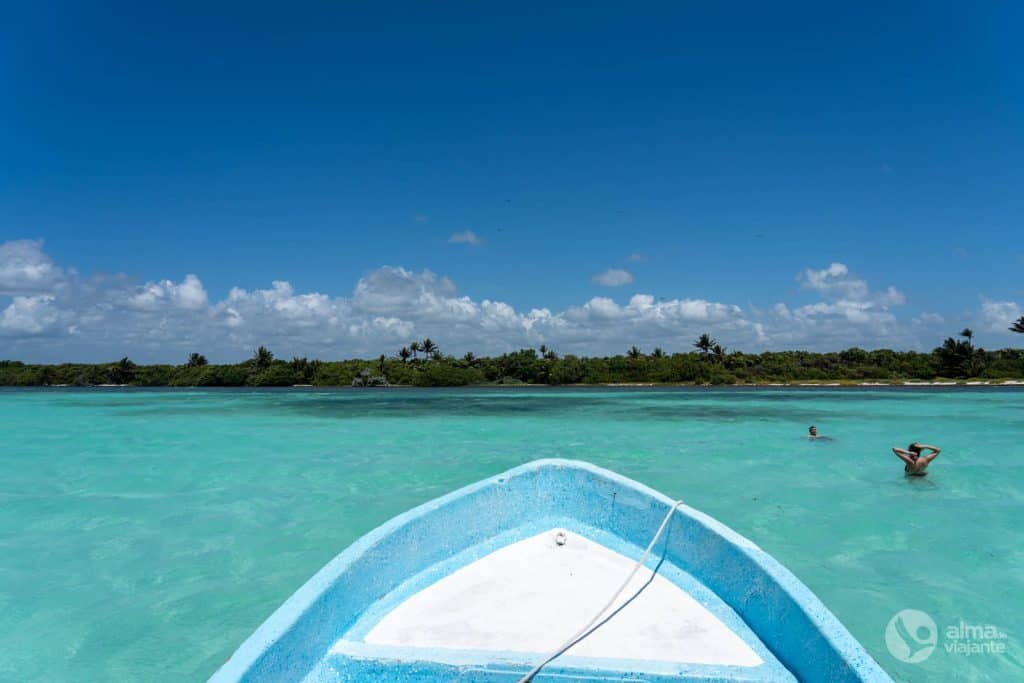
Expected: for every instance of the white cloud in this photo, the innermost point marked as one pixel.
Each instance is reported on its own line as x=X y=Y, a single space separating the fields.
x=189 y=295
x=852 y=313
x=26 y=269
x=930 y=319
x=613 y=277
x=465 y=237
x=609 y=326
x=891 y=297
x=280 y=304
x=835 y=281
x=29 y=315
x=394 y=290
x=636 y=257
x=997 y=316
x=163 y=320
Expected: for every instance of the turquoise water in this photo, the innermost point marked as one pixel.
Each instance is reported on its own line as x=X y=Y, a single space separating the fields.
x=145 y=534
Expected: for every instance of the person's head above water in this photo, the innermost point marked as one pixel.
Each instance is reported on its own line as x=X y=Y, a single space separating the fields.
x=915 y=450
x=812 y=430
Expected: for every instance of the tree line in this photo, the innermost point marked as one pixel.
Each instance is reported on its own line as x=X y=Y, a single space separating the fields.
x=422 y=363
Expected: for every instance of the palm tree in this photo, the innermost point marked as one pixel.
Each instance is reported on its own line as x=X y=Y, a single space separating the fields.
x=543 y=350
x=955 y=358
x=415 y=348
x=404 y=354
x=634 y=352
x=196 y=360
x=121 y=372
x=428 y=347
x=469 y=358
x=381 y=362
x=719 y=351
x=305 y=369
x=968 y=334
x=658 y=353
x=263 y=358
x=1018 y=326
x=704 y=343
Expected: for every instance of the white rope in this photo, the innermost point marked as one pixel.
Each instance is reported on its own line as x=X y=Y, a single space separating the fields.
x=587 y=630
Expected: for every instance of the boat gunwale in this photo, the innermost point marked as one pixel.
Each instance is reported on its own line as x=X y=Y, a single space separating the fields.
x=857 y=663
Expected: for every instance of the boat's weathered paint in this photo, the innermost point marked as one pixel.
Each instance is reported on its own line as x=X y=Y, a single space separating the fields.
x=315 y=635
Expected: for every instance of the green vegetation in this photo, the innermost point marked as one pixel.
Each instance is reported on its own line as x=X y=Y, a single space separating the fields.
x=422 y=363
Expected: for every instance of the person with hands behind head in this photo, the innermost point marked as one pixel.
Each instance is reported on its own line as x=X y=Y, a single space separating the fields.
x=915 y=463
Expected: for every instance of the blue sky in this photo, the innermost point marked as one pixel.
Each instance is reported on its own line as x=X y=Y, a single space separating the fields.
x=718 y=154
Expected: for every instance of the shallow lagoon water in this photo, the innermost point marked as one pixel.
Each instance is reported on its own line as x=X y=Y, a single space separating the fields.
x=145 y=534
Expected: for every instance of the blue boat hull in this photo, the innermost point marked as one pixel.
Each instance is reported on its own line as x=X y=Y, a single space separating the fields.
x=319 y=633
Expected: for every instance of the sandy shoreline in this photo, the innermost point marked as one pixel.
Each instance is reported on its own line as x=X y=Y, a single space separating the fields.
x=795 y=384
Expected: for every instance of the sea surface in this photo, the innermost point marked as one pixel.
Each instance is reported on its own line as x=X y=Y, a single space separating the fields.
x=145 y=534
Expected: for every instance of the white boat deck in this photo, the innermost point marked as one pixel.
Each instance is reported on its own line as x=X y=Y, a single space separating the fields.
x=532 y=595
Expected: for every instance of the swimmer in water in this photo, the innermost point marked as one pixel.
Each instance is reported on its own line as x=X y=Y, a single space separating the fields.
x=916 y=464
x=812 y=434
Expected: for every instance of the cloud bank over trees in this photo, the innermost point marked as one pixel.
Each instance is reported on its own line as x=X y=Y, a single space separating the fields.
x=50 y=312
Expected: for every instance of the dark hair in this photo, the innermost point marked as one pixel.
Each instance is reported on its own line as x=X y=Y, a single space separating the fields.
x=914 y=448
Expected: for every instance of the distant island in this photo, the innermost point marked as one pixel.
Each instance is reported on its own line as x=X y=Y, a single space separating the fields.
x=423 y=364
